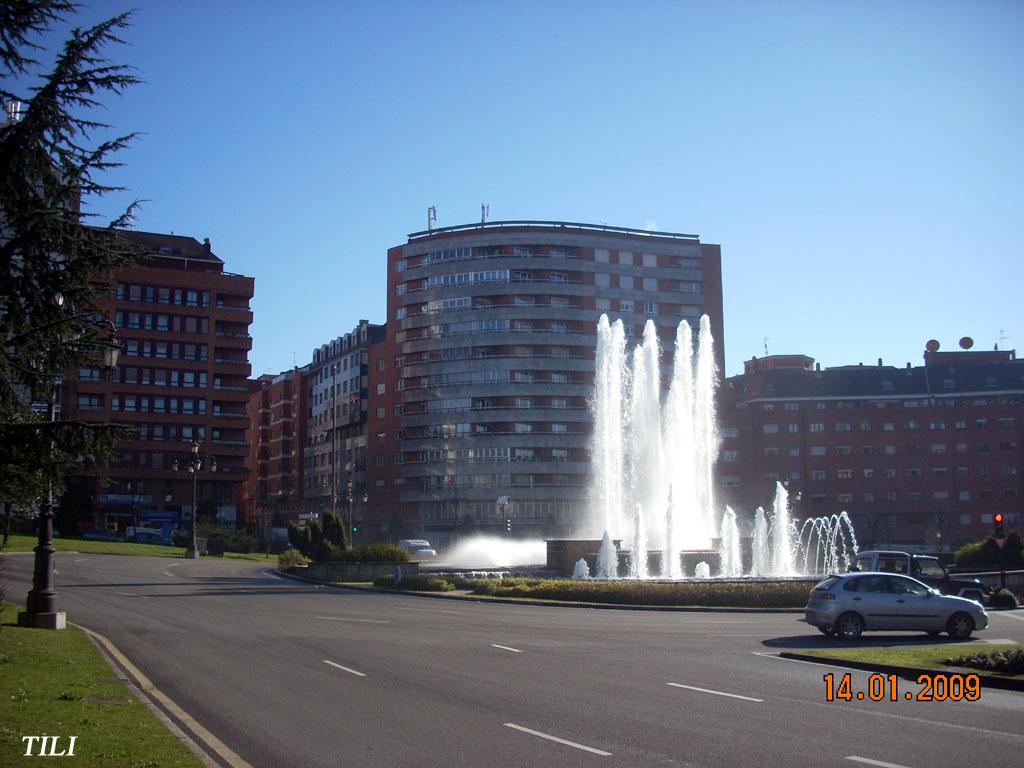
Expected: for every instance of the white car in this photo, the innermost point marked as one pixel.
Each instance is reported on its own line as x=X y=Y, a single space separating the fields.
x=846 y=605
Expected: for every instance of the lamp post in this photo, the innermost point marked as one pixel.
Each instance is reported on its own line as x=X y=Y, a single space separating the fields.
x=195 y=463
x=503 y=502
x=41 y=602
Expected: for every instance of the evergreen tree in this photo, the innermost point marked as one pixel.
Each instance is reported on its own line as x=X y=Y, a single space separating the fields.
x=52 y=262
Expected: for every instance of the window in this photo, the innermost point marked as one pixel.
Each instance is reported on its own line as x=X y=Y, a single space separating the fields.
x=792 y=428
x=382 y=388
x=818 y=450
x=731 y=455
x=936 y=424
x=817 y=426
x=560 y=429
x=819 y=474
x=844 y=474
x=769 y=451
x=650 y=284
x=794 y=451
x=770 y=429
x=890 y=450
x=843 y=426
x=626 y=282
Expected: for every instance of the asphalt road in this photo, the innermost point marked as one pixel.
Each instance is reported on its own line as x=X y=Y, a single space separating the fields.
x=289 y=674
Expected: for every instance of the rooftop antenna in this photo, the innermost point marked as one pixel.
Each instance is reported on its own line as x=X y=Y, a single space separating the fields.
x=485 y=211
x=294 y=364
x=431 y=217
x=766 y=340
x=1002 y=337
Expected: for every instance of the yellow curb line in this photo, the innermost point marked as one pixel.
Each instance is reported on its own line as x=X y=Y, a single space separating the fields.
x=222 y=750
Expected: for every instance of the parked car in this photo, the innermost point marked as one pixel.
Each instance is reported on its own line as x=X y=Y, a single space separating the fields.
x=924 y=568
x=848 y=604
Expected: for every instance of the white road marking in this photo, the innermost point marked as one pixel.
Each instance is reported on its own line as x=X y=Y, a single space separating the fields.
x=869 y=761
x=428 y=610
x=567 y=743
x=716 y=693
x=78 y=560
x=345 y=618
x=168 y=573
x=346 y=669
x=505 y=648
x=274 y=575
x=129 y=594
x=56 y=571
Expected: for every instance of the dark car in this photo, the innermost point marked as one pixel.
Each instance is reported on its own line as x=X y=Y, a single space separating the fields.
x=924 y=568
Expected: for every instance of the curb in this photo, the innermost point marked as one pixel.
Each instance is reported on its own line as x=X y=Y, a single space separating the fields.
x=541 y=603
x=210 y=750
x=987 y=681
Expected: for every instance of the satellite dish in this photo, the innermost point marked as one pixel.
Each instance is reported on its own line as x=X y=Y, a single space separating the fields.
x=966 y=342
x=932 y=345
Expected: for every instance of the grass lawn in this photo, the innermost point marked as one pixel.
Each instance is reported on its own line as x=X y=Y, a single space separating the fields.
x=22 y=543
x=57 y=684
x=925 y=656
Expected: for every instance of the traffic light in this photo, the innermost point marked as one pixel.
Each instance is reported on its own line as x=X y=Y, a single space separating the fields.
x=355 y=529
x=999 y=524
x=508 y=525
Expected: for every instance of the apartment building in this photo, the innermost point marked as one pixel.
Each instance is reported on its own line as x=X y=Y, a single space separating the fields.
x=335 y=415
x=480 y=389
x=183 y=322
x=921 y=456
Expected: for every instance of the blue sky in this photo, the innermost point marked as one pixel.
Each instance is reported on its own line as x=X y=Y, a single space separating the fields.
x=860 y=163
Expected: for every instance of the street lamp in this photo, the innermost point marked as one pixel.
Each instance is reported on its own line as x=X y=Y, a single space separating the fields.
x=195 y=463
x=41 y=602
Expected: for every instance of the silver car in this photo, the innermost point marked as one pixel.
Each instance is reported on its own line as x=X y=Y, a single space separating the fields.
x=846 y=605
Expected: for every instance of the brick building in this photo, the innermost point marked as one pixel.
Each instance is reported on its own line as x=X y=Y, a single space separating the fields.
x=480 y=388
x=922 y=456
x=335 y=415
x=276 y=438
x=183 y=323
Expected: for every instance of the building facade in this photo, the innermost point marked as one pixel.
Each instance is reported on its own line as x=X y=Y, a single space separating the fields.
x=480 y=389
x=183 y=323
x=921 y=456
x=276 y=439
x=335 y=417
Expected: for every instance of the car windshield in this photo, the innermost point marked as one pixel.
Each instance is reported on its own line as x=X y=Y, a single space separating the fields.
x=928 y=568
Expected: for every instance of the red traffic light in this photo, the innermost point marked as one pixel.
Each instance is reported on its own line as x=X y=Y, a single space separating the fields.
x=999 y=518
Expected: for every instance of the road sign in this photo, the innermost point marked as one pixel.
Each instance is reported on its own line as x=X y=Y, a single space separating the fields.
x=1000 y=541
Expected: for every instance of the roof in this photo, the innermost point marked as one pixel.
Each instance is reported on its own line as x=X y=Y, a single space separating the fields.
x=956 y=377
x=171 y=246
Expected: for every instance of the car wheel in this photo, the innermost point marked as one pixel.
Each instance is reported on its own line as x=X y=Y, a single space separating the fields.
x=960 y=626
x=849 y=626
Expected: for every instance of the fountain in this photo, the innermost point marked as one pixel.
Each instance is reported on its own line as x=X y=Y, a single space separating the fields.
x=833 y=539
x=658 y=458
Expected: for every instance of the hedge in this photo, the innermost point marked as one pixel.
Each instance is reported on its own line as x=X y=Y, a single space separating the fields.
x=416 y=583
x=754 y=594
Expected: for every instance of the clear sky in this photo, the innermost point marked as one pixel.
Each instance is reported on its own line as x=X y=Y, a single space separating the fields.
x=860 y=163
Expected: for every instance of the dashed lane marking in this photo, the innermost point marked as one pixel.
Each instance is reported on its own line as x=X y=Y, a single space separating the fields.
x=345 y=669
x=869 y=761
x=566 y=742
x=716 y=693
x=505 y=648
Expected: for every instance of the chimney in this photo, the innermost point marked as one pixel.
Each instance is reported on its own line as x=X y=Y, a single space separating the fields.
x=879 y=362
x=206 y=247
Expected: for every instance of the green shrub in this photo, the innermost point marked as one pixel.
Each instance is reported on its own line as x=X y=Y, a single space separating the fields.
x=1003 y=598
x=416 y=583
x=291 y=558
x=778 y=594
x=986 y=553
x=1009 y=662
x=235 y=540
x=380 y=552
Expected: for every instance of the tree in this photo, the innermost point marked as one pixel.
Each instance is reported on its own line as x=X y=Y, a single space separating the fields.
x=53 y=265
